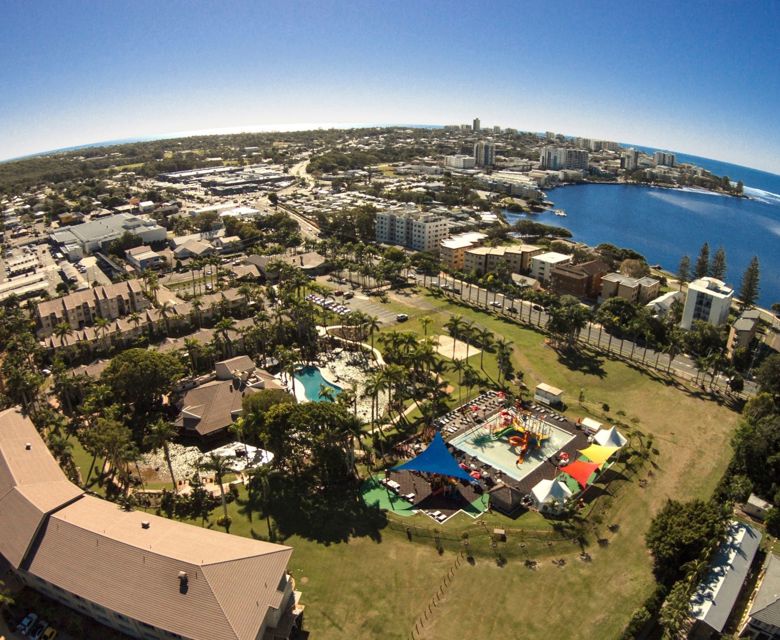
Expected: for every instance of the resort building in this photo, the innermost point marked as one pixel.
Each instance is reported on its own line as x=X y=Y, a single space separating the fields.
x=542 y=264
x=708 y=300
x=452 y=250
x=311 y=263
x=207 y=410
x=82 y=308
x=763 y=621
x=716 y=595
x=516 y=257
x=88 y=237
x=411 y=228
x=578 y=280
x=146 y=576
x=629 y=160
x=459 y=161
x=636 y=290
x=557 y=158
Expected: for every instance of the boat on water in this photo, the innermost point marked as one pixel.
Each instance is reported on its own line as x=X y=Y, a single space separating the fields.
x=560 y=213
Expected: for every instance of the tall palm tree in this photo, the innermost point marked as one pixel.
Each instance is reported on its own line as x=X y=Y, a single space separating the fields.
x=63 y=330
x=165 y=310
x=197 y=305
x=220 y=467
x=454 y=326
x=101 y=326
x=258 y=489
x=485 y=337
x=223 y=328
x=425 y=323
x=192 y=347
x=159 y=436
x=459 y=366
x=371 y=323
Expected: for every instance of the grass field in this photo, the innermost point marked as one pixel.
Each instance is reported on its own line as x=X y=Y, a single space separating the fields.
x=369 y=580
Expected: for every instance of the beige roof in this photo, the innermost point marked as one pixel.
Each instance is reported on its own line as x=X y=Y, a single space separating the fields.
x=210 y=407
x=31 y=484
x=94 y=549
x=134 y=571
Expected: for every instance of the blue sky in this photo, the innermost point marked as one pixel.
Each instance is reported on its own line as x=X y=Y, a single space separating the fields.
x=697 y=77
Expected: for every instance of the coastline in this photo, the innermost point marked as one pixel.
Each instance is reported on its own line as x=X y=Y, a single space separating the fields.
x=652 y=185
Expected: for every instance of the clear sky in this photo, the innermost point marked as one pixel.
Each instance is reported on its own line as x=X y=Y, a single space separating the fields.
x=696 y=77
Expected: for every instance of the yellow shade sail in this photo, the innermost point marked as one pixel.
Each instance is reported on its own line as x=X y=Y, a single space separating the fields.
x=598 y=453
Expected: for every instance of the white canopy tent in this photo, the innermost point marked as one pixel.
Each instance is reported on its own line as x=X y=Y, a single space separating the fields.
x=610 y=438
x=550 y=495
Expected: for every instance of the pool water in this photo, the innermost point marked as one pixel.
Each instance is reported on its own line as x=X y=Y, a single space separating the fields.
x=480 y=443
x=312 y=380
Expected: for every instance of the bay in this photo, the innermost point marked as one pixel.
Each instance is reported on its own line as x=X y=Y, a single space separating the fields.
x=665 y=224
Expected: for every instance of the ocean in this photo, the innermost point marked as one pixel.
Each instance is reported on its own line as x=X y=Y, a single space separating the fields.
x=665 y=224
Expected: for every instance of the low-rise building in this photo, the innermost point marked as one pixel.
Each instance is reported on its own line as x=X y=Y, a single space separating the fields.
x=716 y=595
x=82 y=308
x=88 y=237
x=459 y=161
x=543 y=263
x=143 y=258
x=636 y=290
x=516 y=257
x=708 y=300
x=763 y=621
x=311 y=263
x=663 y=304
x=578 y=280
x=452 y=250
x=144 y=575
x=756 y=507
x=549 y=395
x=742 y=332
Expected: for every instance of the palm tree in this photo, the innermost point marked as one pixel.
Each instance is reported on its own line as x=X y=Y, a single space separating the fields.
x=223 y=328
x=152 y=284
x=101 y=326
x=425 y=322
x=459 y=367
x=159 y=437
x=197 y=305
x=454 y=326
x=371 y=323
x=327 y=393
x=503 y=358
x=192 y=347
x=220 y=467
x=485 y=337
x=63 y=330
x=165 y=309
x=259 y=487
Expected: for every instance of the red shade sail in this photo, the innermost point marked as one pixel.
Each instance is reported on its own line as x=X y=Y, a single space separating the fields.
x=580 y=471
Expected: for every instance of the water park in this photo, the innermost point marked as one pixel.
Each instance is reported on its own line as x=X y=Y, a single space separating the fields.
x=500 y=454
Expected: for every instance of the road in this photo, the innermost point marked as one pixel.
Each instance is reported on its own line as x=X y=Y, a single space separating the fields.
x=593 y=333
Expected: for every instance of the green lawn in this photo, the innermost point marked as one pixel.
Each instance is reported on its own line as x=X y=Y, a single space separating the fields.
x=362 y=577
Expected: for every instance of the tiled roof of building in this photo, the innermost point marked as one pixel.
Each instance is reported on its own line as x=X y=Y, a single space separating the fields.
x=766 y=605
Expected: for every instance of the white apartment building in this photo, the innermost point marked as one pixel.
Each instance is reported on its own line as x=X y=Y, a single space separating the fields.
x=709 y=300
x=411 y=228
x=459 y=161
x=85 y=238
x=562 y=158
x=630 y=159
x=542 y=264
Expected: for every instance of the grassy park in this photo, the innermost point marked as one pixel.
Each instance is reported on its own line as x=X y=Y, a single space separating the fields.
x=363 y=574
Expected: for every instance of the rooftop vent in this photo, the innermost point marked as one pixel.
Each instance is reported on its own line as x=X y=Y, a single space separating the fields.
x=27 y=446
x=183 y=587
x=145 y=524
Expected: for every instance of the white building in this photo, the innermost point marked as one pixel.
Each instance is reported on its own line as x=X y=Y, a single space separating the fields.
x=708 y=300
x=547 y=394
x=85 y=238
x=542 y=265
x=630 y=159
x=459 y=161
x=411 y=228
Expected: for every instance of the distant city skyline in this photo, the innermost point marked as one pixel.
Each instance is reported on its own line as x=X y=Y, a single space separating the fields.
x=78 y=73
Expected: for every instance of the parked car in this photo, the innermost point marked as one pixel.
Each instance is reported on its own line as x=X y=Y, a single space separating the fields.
x=512 y=310
x=27 y=623
x=349 y=294
x=37 y=631
x=537 y=307
x=495 y=303
x=49 y=634
x=402 y=317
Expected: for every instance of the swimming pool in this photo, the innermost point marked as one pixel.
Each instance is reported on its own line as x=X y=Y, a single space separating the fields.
x=312 y=380
x=480 y=443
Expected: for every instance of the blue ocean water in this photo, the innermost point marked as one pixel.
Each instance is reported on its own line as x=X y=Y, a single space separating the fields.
x=665 y=224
